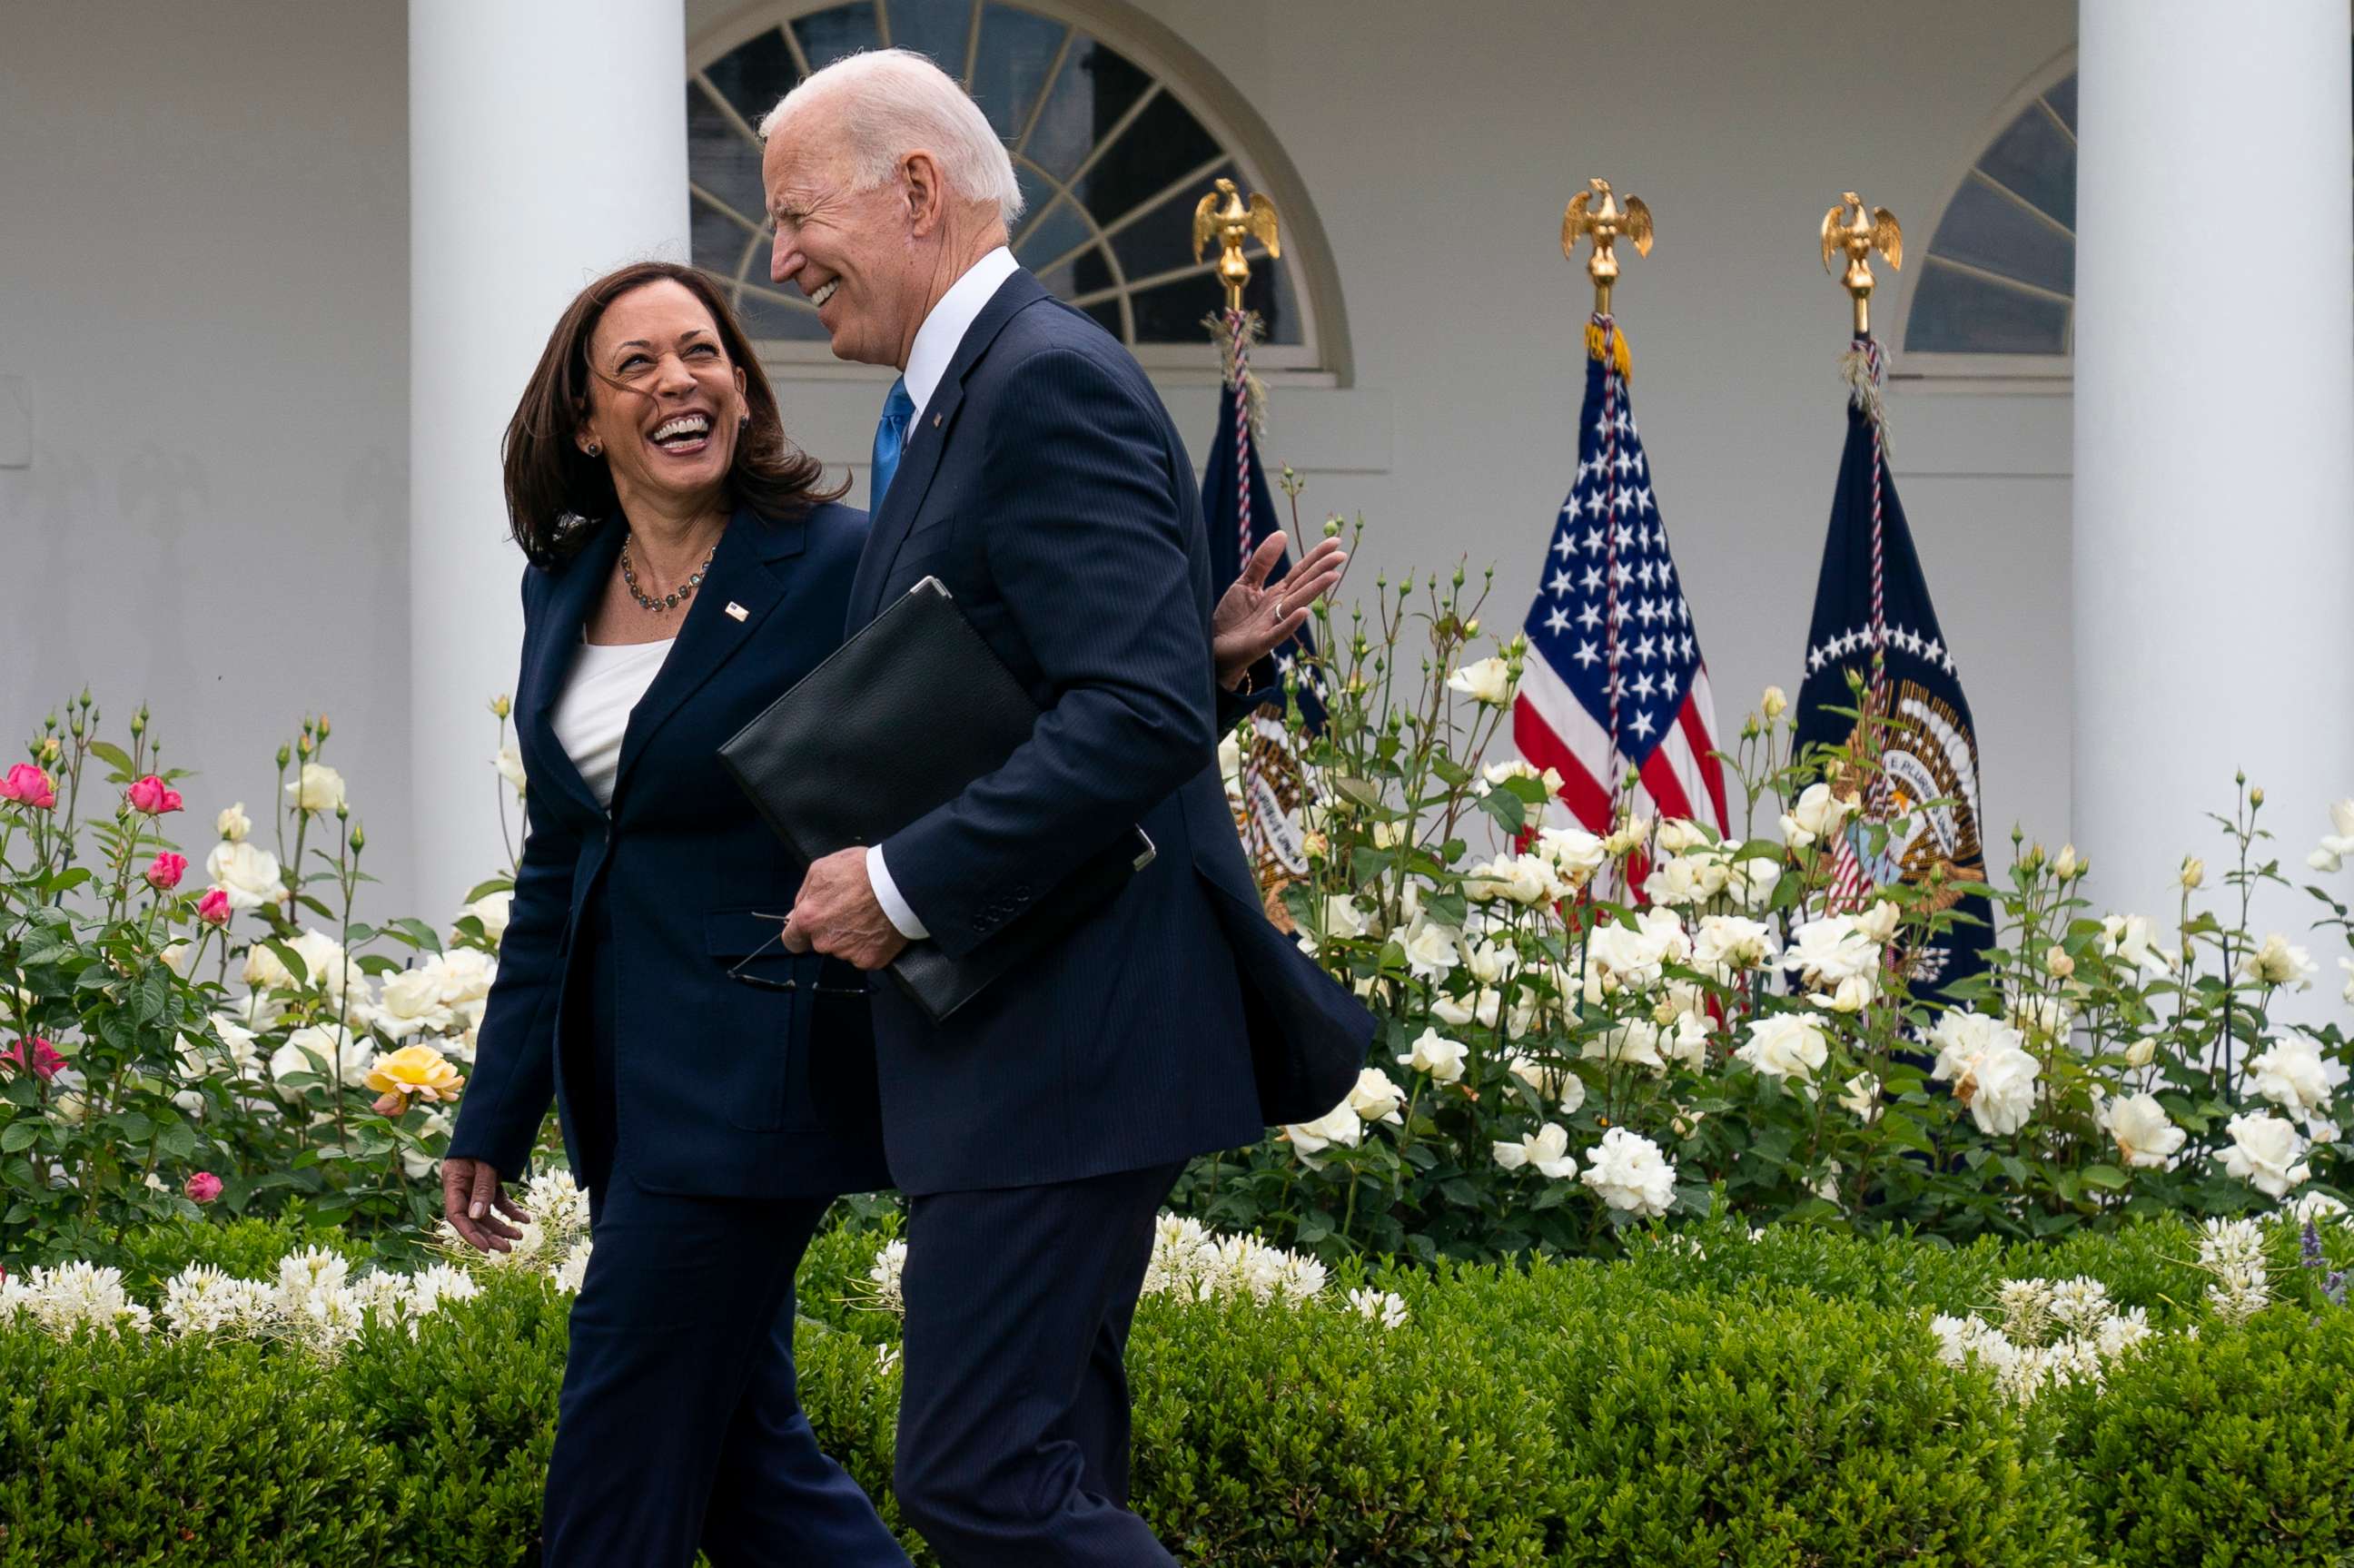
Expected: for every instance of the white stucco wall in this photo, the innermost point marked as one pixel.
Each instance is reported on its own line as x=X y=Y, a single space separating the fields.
x=204 y=296
x=204 y=289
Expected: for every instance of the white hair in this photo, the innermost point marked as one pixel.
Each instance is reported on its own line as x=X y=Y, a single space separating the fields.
x=895 y=101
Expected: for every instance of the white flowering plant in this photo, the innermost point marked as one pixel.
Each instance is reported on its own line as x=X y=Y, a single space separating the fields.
x=1585 y=1030
x=224 y=1036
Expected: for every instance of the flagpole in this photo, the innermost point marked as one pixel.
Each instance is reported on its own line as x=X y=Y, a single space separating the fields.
x=1602 y=224
x=1851 y=230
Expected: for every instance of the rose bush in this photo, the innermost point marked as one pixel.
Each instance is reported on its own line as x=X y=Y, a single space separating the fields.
x=238 y=1044
x=1586 y=1031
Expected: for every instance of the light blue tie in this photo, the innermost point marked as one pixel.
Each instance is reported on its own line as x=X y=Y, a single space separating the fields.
x=890 y=436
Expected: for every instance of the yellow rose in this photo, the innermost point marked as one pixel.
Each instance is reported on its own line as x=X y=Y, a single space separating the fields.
x=418 y=1070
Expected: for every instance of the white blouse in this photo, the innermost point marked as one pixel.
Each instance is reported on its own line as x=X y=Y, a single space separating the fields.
x=607 y=680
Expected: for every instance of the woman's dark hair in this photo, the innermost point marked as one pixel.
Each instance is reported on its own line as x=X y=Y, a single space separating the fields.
x=549 y=480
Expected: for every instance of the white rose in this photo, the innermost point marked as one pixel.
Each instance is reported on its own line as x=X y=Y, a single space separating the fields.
x=2141 y=1051
x=1680 y=835
x=1634 y=1042
x=2295 y=1076
x=1343 y=918
x=1490 y=962
x=1852 y=994
x=509 y=762
x=410 y=1004
x=463 y=974
x=1784 y=1046
x=1877 y=925
x=2266 y=1152
x=1629 y=1172
x=1440 y=1057
x=1750 y=883
x=247 y=872
x=1992 y=1075
x=1524 y=879
x=2316 y=1208
x=233 y=824
x=175 y=959
x=1490 y=680
x=1632 y=832
x=1457 y=1012
x=320 y=789
x=1430 y=951
x=1728 y=944
x=1230 y=765
x=2339 y=842
x=1557 y=1084
x=2145 y=1138
x=2042 y=1017
x=1831 y=949
x=1686 y=1041
x=1545 y=1150
x=1686 y=879
x=1338 y=1126
x=1860 y=1097
x=2128 y=937
x=318 y=1040
x=1375 y=1098
x=493 y=910
x=1816 y=814
x=1573 y=852
x=2280 y=962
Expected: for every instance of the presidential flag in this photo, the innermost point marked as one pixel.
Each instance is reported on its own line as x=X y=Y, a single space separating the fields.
x=1239 y=510
x=1917 y=762
x=1614 y=687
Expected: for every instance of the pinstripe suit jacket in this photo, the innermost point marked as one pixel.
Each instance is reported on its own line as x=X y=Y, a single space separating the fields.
x=1046 y=486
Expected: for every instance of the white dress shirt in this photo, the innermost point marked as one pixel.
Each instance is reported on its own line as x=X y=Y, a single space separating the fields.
x=937 y=342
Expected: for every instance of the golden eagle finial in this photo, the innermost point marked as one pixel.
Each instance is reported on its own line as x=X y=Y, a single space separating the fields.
x=1847 y=227
x=1604 y=224
x=1229 y=226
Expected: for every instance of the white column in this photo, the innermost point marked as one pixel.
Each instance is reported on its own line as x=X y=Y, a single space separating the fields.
x=546 y=144
x=2215 y=410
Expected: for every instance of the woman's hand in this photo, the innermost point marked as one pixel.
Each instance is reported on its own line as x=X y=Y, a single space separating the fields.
x=473 y=1201
x=1253 y=618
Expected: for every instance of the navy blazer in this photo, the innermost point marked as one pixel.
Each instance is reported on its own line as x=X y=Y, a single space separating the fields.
x=722 y=1087
x=1046 y=487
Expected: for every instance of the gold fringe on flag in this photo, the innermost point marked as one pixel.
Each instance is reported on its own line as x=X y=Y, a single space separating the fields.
x=1613 y=347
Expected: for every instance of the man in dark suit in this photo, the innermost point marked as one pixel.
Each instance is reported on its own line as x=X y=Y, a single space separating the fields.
x=1024 y=460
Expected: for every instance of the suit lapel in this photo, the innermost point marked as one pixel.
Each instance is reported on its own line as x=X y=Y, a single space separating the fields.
x=919 y=459
x=739 y=577
x=554 y=637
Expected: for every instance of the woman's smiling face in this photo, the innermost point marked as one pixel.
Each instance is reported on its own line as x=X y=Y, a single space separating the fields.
x=664 y=402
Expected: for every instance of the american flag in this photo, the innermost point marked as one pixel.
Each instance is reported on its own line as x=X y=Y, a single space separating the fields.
x=1614 y=681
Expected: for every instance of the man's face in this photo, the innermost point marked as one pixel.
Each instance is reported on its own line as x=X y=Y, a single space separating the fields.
x=849 y=251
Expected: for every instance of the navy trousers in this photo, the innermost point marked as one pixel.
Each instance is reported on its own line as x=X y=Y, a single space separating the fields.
x=678 y=1425
x=1013 y=1412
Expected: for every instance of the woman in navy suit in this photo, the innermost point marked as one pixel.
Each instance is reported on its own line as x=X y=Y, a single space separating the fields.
x=715 y=1092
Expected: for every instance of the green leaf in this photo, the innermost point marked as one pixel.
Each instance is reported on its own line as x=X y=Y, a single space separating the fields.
x=114 y=756
x=482 y=890
x=1506 y=808
x=19 y=1135
x=290 y=959
x=2107 y=1176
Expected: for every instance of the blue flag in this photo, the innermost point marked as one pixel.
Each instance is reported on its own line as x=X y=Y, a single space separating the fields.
x=1239 y=509
x=1872 y=595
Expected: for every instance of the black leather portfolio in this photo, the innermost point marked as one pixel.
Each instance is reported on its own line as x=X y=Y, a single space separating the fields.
x=898 y=721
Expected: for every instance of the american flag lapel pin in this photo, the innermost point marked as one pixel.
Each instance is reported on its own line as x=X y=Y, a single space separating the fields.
x=737 y=611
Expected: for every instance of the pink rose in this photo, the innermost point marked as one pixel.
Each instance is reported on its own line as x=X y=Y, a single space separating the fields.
x=27 y=785
x=46 y=1060
x=166 y=872
x=213 y=908
x=155 y=797
x=203 y=1187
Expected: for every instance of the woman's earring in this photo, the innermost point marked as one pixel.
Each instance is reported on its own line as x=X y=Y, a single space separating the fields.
x=594 y=450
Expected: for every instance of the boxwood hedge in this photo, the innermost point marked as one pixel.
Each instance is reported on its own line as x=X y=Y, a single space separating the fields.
x=1714 y=1400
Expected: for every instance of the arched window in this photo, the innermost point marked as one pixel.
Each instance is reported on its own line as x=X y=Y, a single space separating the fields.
x=1111 y=151
x=2001 y=273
